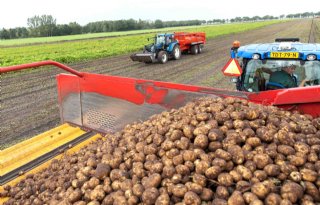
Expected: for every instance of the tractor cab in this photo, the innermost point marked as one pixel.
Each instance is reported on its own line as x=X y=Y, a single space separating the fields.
x=259 y=62
x=160 y=42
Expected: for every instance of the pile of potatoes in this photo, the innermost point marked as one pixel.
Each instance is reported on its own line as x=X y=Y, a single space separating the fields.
x=211 y=151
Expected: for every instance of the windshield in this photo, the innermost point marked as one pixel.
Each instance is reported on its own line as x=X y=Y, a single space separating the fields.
x=160 y=39
x=258 y=73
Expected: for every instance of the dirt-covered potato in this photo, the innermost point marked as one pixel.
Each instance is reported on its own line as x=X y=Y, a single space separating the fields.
x=244 y=171
x=273 y=199
x=191 y=198
x=163 y=199
x=291 y=191
x=150 y=196
x=236 y=198
x=309 y=175
x=261 y=160
x=260 y=190
x=249 y=197
x=213 y=172
x=272 y=170
x=225 y=179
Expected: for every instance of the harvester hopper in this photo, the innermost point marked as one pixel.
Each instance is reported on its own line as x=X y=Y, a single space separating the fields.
x=102 y=104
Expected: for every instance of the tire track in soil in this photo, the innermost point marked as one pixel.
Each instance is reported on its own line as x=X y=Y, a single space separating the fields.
x=21 y=89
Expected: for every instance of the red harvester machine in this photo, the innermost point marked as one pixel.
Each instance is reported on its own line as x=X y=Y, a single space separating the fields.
x=94 y=103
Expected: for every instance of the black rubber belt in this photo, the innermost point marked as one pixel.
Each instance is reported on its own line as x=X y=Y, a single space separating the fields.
x=47 y=156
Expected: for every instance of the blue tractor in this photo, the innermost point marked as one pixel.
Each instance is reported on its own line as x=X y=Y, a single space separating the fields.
x=259 y=61
x=163 y=48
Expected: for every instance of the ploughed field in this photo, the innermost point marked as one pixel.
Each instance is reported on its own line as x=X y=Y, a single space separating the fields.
x=29 y=99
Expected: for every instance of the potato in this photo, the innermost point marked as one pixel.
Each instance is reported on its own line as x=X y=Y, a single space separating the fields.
x=206 y=195
x=201 y=141
x=199 y=179
x=312 y=190
x=286 y=150
x=237 y=154
x=102 y=171
x=245 y=172
x=150 y=196
x=175 y=135
x=215 y=135
x=213 y=146
x=75 y=196
x=309 y=175
x=202 y=166
x=291 y=191
x=302 y=147
x=249 y=197
x=272 y=199
x=218 y=201
x=194 y=187
x=295 y=176
x=235 y=175
x=188 y=131
x=179 y=190
x=236 y=198
x=154 y=180
x=97 y=194
x=163 y=199
x=260 y=190
x=138 y=190
x=243 y=186
x=221 y=117
x=220 y=153
x=213 y=172
x=256 y=202
x=272 y=170
x=262 y=160
x=183 y=143
x=225 y=179
x=191 y=198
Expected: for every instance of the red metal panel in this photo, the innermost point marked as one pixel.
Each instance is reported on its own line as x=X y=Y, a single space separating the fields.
x=39 y=64
x=139 y=91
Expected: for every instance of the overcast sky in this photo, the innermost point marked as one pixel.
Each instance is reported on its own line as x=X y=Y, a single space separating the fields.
x=14 y=13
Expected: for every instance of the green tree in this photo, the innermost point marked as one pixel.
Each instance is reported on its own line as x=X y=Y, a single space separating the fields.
x=158 y=24
x=41 y=25
x=4 y=34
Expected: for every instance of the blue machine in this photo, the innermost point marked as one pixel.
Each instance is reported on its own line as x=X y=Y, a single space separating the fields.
x=163 y=48
x=258 y=61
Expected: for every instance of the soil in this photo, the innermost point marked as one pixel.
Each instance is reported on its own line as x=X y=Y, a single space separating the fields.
x=29 y=98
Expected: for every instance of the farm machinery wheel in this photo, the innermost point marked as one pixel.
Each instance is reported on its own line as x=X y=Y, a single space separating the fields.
x=200 y=48
x=194 y=49
x=176 y=52
x=163 y=57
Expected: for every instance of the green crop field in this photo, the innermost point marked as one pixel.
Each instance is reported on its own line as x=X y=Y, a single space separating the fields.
x=67 y=49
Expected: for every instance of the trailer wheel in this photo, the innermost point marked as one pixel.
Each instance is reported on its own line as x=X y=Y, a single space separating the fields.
x=163 y=57
x=200 y=48
x=176 y=52
x=194 y=49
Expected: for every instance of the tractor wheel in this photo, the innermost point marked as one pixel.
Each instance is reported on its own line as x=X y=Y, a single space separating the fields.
x=163 y=57
x=200 y=48
x=176 y=52
x=194 y=49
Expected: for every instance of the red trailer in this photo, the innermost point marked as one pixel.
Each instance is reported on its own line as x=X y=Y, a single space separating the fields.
x=188 y=40
x=170 y=45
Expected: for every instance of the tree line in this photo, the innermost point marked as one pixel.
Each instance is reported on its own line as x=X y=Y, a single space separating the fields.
x=45 y=25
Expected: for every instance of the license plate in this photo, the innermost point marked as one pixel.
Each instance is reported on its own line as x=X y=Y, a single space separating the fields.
x=284 y=55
